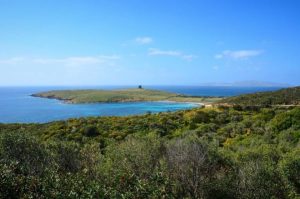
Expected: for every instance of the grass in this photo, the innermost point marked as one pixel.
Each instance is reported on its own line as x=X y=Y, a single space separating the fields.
x=128 y=95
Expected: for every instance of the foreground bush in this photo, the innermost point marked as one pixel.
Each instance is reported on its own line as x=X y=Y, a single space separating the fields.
x=202 y=154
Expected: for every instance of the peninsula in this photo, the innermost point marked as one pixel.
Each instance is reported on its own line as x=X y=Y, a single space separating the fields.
x=124 y=95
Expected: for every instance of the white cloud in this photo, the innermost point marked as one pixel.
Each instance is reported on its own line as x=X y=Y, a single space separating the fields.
x=13 y=60
x=78 y=61
x=154 y=51
x=67 y=61
x=143 y=40
x=239 y=54
x=187 y=57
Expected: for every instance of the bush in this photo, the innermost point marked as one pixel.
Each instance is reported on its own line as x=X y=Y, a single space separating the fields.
x=133 y=169
x=286 y=120
x=290 y=166
x=91 y=131
x=27 y=152
x=67 y=156
x=194 y=168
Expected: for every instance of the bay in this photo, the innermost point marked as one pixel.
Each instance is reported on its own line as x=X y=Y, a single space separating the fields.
x=17 y=106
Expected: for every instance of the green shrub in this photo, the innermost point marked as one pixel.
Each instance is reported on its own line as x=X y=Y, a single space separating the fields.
x=91 y=131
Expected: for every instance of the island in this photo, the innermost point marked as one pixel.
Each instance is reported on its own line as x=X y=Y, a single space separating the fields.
x=123 y=95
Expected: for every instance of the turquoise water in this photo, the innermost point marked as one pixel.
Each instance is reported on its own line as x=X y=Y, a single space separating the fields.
x=16 y=104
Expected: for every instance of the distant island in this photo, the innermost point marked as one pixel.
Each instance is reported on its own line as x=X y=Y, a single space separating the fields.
x=124 y=95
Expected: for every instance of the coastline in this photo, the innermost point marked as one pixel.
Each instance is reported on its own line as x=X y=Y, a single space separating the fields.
x=185 y=102
x=123 y=96
x=69 y=101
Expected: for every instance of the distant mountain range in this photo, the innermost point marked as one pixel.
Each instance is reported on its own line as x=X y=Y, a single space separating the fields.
x=248 y=84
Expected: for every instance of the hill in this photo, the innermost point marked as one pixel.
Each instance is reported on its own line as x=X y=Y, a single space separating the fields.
x=248 y=84
x=287 y=96
x=128 y=95
x=199 y=153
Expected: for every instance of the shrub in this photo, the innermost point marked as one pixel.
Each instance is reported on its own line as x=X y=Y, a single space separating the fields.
x=91 y=131
x=27 y=152
x=194 y=168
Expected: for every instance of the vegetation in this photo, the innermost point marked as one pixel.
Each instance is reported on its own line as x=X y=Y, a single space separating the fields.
x=199 y=153
x=220 y=152
x=289 y=96
x=128 y=95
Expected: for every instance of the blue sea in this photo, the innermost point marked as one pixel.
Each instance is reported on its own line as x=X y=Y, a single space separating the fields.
x=17 y=106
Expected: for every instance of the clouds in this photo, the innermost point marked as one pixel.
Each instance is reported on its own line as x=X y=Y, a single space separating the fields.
x=226 y=54
x=155 y=52
x=66 y=61
x=239 y=54
x=79 y=60
x=67 y=70
x=146 y=40
x=237 y=60
x=10 y=61
x=143 y=40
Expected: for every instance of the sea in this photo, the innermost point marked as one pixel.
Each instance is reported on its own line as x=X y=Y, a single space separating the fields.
x=17 y=106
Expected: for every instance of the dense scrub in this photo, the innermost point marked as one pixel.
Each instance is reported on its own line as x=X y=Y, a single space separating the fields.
x=289 y=96
x=200 y=153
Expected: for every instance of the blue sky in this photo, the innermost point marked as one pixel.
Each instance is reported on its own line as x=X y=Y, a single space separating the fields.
x=151 y=42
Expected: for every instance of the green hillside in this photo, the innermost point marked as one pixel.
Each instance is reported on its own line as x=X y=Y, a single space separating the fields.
x=212 y=152
x=201 y=153
x=287 y=96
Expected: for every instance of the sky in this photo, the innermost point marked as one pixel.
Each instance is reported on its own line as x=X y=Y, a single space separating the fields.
x=149 y=42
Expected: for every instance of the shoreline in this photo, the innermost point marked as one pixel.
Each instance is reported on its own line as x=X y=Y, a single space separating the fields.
x=69 y=101
x=185 y=102
x=123 y=96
